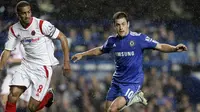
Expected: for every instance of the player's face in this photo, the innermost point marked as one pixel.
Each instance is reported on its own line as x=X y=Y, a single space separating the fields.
x=122 y=27
x=24 y=15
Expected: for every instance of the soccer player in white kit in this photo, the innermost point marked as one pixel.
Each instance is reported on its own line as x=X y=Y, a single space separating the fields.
x=13 y=65
x=36 y=68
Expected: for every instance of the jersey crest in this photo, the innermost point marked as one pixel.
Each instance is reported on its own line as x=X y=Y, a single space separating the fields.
x=131 y=43
x=33 y=33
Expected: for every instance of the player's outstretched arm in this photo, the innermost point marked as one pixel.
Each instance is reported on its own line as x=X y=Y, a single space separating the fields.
x=92 y=52
x=4 y=57
x=171 y=48
x=65 y=48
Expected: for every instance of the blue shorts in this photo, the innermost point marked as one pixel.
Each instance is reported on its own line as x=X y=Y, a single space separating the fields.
x=128 y=91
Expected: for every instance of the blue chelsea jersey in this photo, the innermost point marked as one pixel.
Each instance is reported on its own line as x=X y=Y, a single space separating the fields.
x=128 y=53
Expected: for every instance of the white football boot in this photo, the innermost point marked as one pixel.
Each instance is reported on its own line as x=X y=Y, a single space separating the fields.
x=138 y=98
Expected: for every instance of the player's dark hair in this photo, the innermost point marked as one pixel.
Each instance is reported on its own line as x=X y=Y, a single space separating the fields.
x=119 y=15
x=21 y=4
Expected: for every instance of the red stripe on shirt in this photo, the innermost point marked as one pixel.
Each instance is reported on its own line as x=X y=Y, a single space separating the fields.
x=11 y=28
x=40 y=25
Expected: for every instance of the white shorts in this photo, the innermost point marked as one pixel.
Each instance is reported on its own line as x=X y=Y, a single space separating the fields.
x=12 y=70
x=26 y=95
x=35 y=76
x=5 y=88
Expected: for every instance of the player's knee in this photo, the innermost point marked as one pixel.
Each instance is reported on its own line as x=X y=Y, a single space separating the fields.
x=13 y=96
x=32 y=107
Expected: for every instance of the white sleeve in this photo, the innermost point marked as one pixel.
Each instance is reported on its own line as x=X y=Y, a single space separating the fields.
x=11 y=42
x=50 y=30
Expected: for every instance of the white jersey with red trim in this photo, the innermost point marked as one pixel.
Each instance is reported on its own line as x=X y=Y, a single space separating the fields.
x=36 y=39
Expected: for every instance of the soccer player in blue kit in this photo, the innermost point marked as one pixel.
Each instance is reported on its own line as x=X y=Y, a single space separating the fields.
x=128 y=48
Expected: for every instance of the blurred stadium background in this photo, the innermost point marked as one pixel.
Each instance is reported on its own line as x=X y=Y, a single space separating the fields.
x=171 y=80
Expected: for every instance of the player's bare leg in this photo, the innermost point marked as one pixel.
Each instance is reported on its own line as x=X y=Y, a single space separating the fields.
x=15 y=92
x=4 y=99
x=21 y=103
x=47 y=101
x=33 y=104
x=116 y=105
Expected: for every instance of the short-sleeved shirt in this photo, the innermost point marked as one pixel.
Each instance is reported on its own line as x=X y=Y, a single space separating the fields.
x=128 y=53
x=36 y=39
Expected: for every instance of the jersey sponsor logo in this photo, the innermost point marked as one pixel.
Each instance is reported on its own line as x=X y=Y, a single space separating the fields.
x=123 y=54
x=29 y=40
x=131 y=43
x=114 y=45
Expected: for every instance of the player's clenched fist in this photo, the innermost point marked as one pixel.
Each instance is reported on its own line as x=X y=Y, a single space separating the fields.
x=181 y=47
x=66 y=69
x=77 y=57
